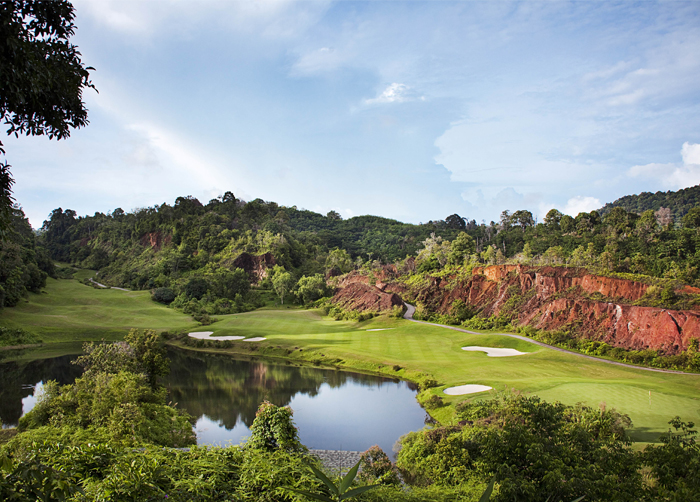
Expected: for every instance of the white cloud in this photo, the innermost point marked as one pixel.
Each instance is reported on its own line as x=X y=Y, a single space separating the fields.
x=607 y=72
x=691 y=153
x=667 y=71
x=182 y=158
x=673 y=176
x=581 y=204
x=271 y=18
x=317 y=61
x=395 y=93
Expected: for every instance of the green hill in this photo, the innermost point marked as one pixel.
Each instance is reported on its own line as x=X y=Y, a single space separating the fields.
x=679 y=202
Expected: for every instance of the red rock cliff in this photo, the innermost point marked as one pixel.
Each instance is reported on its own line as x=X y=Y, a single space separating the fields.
x=560 y=298
x=363 y=297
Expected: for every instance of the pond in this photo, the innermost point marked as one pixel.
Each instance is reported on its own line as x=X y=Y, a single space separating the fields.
x=333 y=409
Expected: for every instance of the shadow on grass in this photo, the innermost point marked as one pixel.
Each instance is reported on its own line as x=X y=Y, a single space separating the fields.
x=644 y=435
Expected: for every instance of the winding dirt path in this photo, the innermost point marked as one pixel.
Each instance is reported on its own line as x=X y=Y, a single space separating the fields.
x=410 y=310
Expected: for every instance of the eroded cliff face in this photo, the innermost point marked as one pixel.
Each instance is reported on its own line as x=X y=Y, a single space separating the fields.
x=155 y=240
x=365 y=297
x=550 y=298
x=384 y=279
x=256 y=266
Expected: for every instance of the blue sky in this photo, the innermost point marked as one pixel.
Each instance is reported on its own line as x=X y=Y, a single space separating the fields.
x=410 y=110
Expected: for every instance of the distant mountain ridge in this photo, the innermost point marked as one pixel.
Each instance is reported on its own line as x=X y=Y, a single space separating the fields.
x=679 y=202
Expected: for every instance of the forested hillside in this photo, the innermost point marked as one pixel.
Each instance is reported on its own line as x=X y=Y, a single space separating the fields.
x=678 y=203
x=205 y=257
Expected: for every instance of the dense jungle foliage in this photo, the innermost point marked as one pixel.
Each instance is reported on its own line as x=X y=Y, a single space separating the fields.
x=24 y=265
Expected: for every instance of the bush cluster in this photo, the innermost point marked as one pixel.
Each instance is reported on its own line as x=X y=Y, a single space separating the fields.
x=17 y=336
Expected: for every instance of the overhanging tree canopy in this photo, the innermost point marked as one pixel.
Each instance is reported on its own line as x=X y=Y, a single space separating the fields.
x=41 y=77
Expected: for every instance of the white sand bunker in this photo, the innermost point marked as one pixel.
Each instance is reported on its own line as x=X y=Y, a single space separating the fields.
x=255 y=339
x=205 y=335
x=379 y=329
x=495 y=351
x=466 y=389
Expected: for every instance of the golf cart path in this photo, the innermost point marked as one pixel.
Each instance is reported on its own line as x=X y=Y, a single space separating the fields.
x=410 y=310
x=107 y=287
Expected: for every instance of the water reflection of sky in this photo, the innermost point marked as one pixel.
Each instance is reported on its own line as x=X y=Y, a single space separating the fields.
x=30 y=401
x=354 y=416
x=332 y=409
x=214 y=433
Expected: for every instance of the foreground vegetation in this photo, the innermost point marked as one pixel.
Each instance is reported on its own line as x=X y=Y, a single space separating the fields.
x=108 y=437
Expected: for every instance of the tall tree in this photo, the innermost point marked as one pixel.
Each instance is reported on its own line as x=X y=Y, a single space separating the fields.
x=42 y=77
x=282 y=282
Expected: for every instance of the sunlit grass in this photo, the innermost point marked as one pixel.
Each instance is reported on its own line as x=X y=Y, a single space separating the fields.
x=71 y=311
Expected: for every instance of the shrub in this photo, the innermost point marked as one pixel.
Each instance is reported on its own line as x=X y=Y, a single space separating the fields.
x=433 y=402
x=9 y=337
x=536 y=451
x=377 y=468
x=196 y=288
x=273 y=429
x=428 y=382
x=163 y=295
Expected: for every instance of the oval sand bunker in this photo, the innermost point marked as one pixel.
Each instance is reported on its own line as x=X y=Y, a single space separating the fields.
x=204 y=335
x=466 y=389
x=495 y=351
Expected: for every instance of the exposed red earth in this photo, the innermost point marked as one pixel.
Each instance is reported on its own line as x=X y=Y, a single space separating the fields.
x=155 y=240
x=256 y=266
x=364 y=297
x=554 y=298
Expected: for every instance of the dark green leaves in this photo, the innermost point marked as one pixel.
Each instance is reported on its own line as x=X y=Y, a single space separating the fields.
x=340 y=492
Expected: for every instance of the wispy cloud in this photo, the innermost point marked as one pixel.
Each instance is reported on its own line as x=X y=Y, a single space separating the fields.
x=395 y=93
x=317 y=61
x=270 y=18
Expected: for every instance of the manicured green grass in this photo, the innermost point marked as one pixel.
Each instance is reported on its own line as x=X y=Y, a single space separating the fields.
x=71 y=311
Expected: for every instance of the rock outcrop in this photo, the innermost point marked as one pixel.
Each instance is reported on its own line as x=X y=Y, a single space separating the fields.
x=561 y=298
x=256 y=266
x=155 y=240
x=364 y=297
x=383 y=278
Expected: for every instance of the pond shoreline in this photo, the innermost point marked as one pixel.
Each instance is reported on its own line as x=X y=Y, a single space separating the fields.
x=408 y=376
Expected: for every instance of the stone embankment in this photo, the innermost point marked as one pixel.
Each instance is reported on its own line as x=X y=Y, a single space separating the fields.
x=337 y=461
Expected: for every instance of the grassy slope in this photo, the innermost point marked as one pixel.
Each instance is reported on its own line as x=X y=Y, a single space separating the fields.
x=71 y=311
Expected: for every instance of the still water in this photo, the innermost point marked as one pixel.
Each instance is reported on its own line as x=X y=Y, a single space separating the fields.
x=332 y=409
